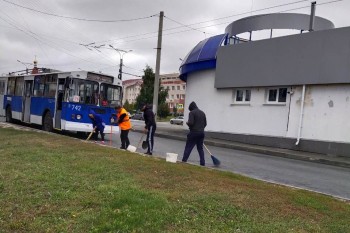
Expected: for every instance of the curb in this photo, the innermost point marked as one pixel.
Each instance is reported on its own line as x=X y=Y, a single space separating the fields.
x=257 y=149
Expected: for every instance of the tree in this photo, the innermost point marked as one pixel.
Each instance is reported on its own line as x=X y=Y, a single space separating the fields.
x=129 y=107
x=163 y=110
x=147 y=89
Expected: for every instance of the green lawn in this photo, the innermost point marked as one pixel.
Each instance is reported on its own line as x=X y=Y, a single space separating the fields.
x=52 y=183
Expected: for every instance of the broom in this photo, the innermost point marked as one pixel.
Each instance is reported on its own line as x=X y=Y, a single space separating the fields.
x=92 y=132
x=216 y=162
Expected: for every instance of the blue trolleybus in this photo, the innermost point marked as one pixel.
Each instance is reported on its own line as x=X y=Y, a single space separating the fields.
x=60 y=100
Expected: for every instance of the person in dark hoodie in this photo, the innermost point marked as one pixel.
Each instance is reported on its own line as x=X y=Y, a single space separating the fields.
x=98 y=125
x=150 y=126
x=197 y=121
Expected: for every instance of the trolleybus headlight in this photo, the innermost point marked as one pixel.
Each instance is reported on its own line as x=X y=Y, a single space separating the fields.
x=78 y=117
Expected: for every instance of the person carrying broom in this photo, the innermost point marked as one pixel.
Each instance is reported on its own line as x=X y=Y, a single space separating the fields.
x=98 y=126
x=197 y=121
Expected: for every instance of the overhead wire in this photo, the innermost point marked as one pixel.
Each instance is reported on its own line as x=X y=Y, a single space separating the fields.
x=198 y=23
x=207 y=21
x=182 y=25
x=60 y=48
x=318 y=4
x=212 y=25
x=68 y=26
x=80 y=19
x=28 y=29
x=33 y=36
x=175 y=21
x=97 y=51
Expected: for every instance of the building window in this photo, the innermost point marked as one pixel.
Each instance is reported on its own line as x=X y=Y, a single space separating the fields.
x=183 y=97
x=183 y=87
x=172 y=96
x=178 y=87
x=168 y=88
x=242 y=96
x=172 y=87
x=177 y=96
x=277 y=95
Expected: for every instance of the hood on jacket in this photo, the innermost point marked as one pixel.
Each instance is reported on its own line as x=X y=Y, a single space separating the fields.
x=192 y=106
x=92 y=113
x=147 y=106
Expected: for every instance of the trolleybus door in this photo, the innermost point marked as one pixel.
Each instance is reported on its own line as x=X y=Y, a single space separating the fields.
x=59 y=99
x=3 y=87
x=27 y=100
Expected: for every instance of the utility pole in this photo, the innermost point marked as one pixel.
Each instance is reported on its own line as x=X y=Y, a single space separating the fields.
x=156 y=79
x=312 y=16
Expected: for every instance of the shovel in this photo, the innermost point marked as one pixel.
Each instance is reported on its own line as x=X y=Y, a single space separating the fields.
x=144 y=143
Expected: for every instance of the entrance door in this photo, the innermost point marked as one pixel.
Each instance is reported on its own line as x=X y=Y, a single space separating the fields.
x=27 y=100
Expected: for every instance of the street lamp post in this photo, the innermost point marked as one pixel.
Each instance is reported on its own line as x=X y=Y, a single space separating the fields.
x=121 y=54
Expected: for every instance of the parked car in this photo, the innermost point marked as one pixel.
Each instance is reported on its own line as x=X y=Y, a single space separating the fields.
x=177 y=120
x=137 y=116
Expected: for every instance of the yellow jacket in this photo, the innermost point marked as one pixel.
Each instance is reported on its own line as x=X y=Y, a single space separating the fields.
x=124 y=123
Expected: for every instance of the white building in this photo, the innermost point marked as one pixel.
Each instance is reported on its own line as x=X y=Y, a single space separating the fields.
x=290 y=92
x=131 y=89
x=176 y=91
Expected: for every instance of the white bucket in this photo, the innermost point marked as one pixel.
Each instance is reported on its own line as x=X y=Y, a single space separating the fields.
x=131 y=148
x=171 y=157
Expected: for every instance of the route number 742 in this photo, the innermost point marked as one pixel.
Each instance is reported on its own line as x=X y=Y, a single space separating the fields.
x=76 y=107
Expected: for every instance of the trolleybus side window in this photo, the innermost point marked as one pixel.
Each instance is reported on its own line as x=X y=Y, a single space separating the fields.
x=2 y=87
x=50 y=85
x=110 y=93
x=19 y=86
x=91 y=89
x=83 y=91
x=39 y=85
x=11 y=86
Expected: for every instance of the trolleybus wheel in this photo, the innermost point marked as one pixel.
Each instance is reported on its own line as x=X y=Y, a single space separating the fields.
x=8 y=115
x=47 y=123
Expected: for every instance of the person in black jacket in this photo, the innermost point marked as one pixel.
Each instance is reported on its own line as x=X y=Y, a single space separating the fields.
x=150 y=126
x=197 y=121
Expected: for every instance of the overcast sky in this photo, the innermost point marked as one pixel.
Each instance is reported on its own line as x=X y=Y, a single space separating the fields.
x=56 y=41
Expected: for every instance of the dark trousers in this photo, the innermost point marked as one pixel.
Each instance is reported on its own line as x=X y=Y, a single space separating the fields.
x=124 y=138
x=194 y=138
x=150 y=137
x=101 y=133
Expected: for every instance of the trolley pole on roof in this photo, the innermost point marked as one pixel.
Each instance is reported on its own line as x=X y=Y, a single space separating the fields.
x=156 y=79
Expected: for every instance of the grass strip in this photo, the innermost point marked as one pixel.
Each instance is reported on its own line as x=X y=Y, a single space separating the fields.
x=52 y=183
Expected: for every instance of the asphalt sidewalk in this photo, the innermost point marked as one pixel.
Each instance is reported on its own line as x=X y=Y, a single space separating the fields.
x=180 y=134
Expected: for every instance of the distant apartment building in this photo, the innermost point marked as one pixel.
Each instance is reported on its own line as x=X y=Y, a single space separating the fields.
x=176 y=91
x=131 y=89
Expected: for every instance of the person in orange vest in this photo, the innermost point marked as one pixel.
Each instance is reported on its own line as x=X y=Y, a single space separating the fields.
x=124 y=125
